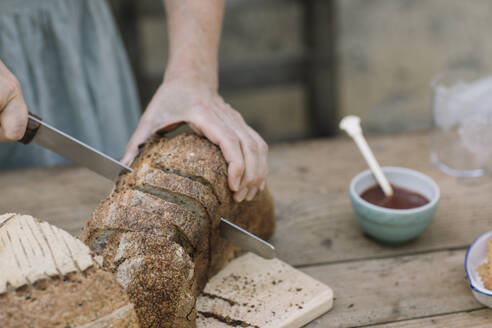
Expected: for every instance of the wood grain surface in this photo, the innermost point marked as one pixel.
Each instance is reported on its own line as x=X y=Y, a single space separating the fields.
x=476 y=319
x=394 y=289
x=419 y=284
x=310 y=182
x=64 y=196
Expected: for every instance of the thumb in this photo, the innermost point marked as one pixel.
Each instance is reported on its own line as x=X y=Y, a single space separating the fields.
x=169 y=128
x=141 y=134
x=13 y=120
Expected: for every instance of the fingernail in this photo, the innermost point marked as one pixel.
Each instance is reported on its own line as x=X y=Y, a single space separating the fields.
x=251 y=194
x=127 y=159
x=262 y=186
x=240 y=195
x=235 y=184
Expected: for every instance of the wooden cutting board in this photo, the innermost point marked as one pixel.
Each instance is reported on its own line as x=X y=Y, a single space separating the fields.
x=253 y=292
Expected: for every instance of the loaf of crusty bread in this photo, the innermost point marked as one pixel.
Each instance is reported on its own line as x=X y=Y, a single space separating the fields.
x=158 y=230
x=49 y=279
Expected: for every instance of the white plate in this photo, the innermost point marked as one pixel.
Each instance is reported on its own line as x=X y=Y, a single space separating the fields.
x=476 y=255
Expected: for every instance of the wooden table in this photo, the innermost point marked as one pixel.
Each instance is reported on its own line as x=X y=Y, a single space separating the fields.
x=420 y=284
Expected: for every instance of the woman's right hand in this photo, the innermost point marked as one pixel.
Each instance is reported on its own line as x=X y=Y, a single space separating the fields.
x=13 y=109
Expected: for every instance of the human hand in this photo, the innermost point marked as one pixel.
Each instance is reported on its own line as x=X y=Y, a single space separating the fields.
x=201 y=107
x=13 y=109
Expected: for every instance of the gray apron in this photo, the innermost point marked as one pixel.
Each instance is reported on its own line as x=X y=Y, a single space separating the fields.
x=74 y=73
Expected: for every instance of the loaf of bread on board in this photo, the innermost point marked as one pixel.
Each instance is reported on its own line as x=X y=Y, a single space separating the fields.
x=158 y=231
x=48 y=279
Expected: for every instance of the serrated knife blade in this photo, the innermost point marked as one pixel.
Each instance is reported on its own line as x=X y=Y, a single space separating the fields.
x=63 y=144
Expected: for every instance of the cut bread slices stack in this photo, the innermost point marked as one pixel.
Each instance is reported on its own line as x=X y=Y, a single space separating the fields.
x=158 y=230
x=49 y=279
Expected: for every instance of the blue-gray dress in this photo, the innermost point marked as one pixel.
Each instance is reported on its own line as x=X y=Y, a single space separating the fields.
x=74 y=73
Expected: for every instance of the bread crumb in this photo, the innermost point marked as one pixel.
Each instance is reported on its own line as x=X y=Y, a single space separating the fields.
x=484 y=269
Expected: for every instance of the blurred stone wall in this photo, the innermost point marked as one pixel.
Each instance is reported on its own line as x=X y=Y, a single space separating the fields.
x=387 y=52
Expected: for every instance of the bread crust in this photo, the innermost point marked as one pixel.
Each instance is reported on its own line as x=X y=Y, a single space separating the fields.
x=157 y=182
x=178 y=183
x=83 y=296
x=190 y=225
x=195 y=157
x=75 y=300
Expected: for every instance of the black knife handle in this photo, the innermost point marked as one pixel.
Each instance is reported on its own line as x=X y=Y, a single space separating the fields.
x=32 y=128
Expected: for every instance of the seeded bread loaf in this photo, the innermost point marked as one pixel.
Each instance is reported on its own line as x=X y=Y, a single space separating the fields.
x=158 y=230
x=49 y=279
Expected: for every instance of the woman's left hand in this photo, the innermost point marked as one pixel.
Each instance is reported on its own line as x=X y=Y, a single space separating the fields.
x=178 y=101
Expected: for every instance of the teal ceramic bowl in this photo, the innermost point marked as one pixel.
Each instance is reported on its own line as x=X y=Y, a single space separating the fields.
x=388 y=225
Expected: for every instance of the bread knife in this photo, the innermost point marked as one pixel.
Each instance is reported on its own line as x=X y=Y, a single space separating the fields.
x=82 y=154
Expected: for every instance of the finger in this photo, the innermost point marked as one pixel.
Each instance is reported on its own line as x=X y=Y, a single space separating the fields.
x=262 y=160
x=251 y=194
x=223 y=136
x=13 y=120
x=10 y=88
x=142 y=133
x=248 y=148
x=255 y=149
x=255 y=154
x=240 y=195
x=231 y=149
x=235 y=120
x=262 y=185
x=196 y=129
x=169 y=128
x=235 y=172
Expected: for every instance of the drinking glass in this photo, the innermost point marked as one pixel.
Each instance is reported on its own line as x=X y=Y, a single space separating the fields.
x=462 y=117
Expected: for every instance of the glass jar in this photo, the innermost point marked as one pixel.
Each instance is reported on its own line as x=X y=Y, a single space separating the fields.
x=462 y=117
